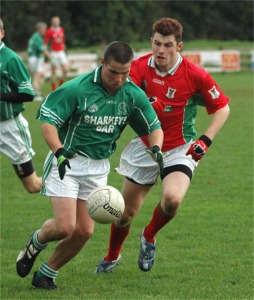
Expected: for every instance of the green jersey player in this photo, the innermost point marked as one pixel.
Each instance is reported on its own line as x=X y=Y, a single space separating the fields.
x=82 y=120
x=15 y=138
x=36 y=51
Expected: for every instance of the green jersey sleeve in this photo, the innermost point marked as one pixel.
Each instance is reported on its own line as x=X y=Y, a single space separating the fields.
x=20 y=77
x=15 y=78
x=59 y=105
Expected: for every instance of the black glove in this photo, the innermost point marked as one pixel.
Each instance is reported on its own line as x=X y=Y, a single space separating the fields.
x=158 y=104
x=157 y=156
x=63 y=157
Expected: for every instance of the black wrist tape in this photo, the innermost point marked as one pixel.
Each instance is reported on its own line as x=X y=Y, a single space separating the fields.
x=206 y=139
x=157 y=148
x=59 y=152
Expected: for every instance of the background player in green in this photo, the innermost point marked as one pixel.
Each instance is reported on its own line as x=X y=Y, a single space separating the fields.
x=82 y=120
x=15 y=138
x=36 y=53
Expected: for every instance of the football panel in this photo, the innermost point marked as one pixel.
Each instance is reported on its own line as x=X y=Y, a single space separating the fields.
x=102 y=216
x=105 y=204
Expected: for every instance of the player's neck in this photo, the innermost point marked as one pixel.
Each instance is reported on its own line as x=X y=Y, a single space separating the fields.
x=169 y=66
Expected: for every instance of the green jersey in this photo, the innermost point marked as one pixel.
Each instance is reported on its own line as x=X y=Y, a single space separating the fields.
x=36 y=45
x=90 y=120
x=14 y=78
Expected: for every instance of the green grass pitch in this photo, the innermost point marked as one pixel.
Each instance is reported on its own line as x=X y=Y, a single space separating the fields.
x=206 y=252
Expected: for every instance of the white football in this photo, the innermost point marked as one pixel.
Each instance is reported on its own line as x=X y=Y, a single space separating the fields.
x=105 y=204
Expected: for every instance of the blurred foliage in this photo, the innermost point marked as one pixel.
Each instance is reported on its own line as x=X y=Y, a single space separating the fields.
x=90 y=23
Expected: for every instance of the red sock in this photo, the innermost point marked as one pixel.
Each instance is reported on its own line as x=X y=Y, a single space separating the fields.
x=117 y=237
x=61 y=82
x=53 y=86
x=158 y=221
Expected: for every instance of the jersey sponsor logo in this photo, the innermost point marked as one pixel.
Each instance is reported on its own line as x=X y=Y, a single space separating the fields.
x=171 y=93
x=111 y=102
x=93 y=108
x=158 y=81
x=214 y=92
x=106 y=123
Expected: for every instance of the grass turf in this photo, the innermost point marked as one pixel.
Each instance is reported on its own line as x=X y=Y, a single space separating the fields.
x=206 y=252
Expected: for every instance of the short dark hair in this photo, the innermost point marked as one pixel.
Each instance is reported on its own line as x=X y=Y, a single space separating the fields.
x=168 y=26
x=119 y=51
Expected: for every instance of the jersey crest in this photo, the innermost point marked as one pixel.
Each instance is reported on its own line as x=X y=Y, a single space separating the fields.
x=171 y=93
x=93 y=108
x=214 y=92
x=122 y=109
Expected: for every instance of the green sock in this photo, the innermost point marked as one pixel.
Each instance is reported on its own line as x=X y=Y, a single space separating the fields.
x=36 y=243
x=45 y=270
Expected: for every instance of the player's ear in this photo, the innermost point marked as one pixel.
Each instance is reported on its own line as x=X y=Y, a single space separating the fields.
x=102 y=61
x=180 y=46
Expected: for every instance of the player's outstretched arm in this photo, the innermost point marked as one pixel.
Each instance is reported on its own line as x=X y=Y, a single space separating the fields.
x=218 y=120
x=199 y=148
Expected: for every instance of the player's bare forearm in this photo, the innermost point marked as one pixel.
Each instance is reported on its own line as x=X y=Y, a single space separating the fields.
x=218 y=120
x=156 y=138
x=51 y=137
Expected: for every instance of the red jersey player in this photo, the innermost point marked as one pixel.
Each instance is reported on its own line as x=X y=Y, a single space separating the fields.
x=55 y=38
x=175 y=87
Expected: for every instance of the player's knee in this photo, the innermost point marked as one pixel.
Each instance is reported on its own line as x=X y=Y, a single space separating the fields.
x=126 y=218
x=65 y=230
x=123 y=222
x=83 y=235
x=171 y=203
x=171 y=208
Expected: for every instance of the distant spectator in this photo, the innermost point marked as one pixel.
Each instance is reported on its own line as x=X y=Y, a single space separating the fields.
x=55 y=37
x=36 y=53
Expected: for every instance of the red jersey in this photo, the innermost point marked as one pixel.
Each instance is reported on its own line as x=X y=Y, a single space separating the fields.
x=182 y=89
x=55 y=37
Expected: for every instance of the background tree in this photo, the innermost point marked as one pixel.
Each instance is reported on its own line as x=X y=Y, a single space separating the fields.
x=89 y=23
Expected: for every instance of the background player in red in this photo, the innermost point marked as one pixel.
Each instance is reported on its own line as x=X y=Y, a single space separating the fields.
x=55 y=39
x=172 y=83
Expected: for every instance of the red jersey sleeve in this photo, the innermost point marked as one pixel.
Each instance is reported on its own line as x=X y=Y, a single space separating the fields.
x=203 y=84
x=213 y=97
